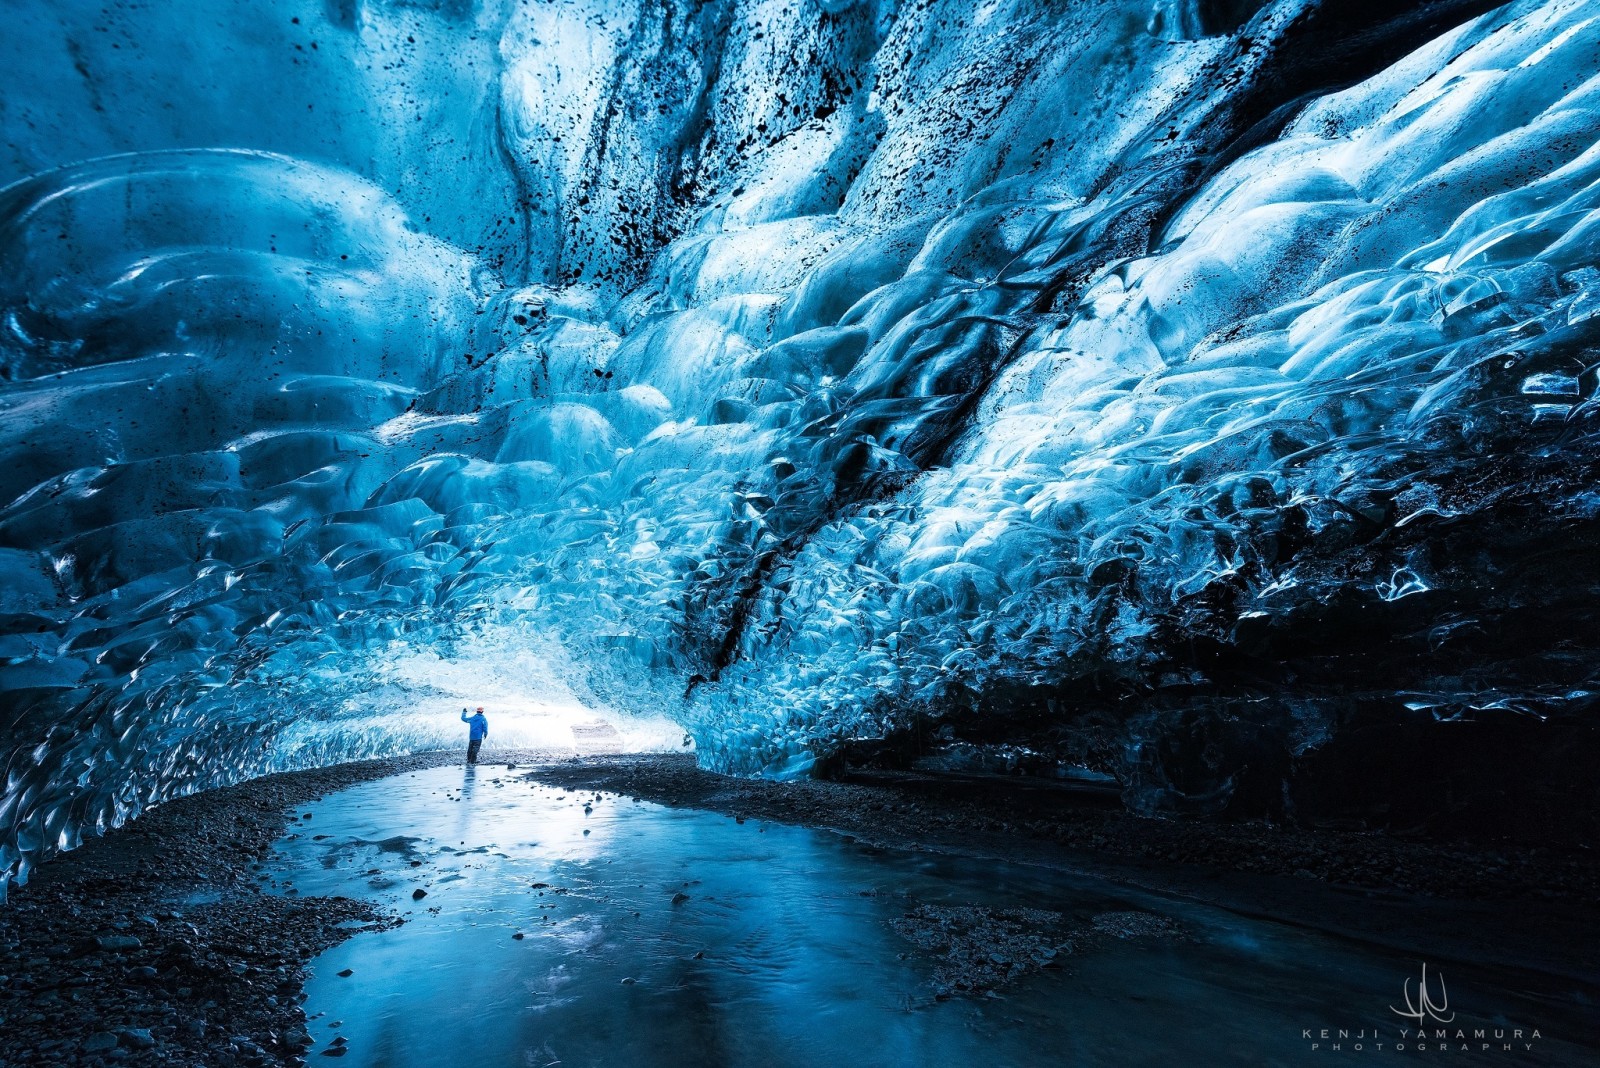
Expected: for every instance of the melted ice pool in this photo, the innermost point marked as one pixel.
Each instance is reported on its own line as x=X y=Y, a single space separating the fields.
x=671 y=937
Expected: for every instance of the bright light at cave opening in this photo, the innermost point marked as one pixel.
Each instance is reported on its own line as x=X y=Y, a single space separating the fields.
x=417 y=695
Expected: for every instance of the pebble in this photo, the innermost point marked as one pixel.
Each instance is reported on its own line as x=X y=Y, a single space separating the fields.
x=136 y=1037
x=117 y=943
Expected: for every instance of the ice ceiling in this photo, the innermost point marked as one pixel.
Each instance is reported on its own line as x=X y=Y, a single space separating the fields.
x=1151 y=385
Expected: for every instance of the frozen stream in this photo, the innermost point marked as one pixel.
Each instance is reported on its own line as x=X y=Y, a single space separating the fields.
x=667 y=937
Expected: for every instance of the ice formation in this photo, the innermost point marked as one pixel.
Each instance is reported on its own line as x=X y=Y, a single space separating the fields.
x=1163 y=386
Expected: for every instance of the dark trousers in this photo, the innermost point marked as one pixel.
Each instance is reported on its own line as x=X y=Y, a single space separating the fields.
x=472 y=750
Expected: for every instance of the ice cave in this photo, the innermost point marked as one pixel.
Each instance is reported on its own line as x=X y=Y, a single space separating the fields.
x=1018 y=532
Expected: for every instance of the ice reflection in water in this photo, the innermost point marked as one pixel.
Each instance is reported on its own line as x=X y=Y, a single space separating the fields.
x=662 y=937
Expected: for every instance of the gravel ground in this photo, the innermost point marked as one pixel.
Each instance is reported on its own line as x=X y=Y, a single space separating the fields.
x=1491 y=901
x=155 y=944
x=978 y=949
x=1009 y=816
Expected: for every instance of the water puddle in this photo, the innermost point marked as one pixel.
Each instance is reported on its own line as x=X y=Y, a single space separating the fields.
x=552 y=928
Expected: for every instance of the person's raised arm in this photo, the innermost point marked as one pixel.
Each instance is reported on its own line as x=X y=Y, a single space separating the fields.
x=463 y=715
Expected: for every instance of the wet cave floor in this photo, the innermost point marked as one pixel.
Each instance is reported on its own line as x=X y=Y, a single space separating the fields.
x=635 y=911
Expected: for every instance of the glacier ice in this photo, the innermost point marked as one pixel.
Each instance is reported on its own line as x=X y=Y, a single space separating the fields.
x=1163 y=384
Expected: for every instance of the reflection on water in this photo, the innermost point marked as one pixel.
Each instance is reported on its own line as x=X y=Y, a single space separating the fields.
x=662 y=937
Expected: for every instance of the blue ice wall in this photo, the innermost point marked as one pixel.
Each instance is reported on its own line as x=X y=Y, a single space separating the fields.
x=1148 y=384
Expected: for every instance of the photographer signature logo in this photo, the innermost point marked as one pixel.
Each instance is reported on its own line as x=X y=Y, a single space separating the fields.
x=1430 y=1027
x=1423 y=1007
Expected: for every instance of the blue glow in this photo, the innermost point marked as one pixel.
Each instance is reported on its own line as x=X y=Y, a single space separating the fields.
x=899 y=368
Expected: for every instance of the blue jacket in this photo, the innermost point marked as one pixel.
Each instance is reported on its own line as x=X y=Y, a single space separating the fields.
x=479 y=724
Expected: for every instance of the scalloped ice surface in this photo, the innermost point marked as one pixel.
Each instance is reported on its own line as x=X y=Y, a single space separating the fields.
x=803 y=372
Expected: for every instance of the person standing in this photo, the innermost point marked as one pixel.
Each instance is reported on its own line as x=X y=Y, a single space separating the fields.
x=477 y=731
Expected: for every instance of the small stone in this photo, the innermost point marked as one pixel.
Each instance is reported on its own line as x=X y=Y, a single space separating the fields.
x=418 y=894
x=629 y=981
x=99 y=1042
x=519 y=936
x=145 y=972
x=117 y=943
x=136 y=1037
x=347 y=973
x=679 y=898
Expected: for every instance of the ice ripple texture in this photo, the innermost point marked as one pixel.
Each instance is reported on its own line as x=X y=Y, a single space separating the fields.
x=814 y=373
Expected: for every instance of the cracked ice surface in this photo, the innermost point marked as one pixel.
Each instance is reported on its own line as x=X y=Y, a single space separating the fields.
x=800 y=371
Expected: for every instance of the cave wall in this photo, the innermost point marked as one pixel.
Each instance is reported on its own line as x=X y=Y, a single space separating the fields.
x=1170 y=390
